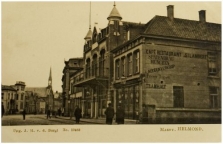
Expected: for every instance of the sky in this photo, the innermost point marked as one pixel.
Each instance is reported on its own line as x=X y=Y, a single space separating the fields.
x=37 y=36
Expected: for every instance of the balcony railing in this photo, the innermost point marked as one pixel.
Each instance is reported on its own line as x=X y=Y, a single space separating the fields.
x=92 y=73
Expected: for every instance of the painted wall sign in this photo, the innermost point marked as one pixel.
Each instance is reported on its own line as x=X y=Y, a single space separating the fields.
x=161 y=68
x=155 y=86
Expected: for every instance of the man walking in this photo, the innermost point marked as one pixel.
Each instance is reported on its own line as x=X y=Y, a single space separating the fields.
x=48 y=114
x=77 y=114
x=109 y=112
x=24 y=114
x=120 y=115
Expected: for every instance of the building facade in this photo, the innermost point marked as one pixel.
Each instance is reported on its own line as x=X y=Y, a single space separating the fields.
x=171 y=65
x=72 y=66
x=9 y=99
x=13 y=97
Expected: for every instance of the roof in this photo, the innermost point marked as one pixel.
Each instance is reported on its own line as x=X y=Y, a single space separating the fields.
x=89 y=35
x=183 y=28
x=5 y=87
x=40 y=91
x=114 y=13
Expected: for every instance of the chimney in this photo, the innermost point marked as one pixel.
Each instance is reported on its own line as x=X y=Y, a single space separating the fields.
x=202 y=16
x=170 y=12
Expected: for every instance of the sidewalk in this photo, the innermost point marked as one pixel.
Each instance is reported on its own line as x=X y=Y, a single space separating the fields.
x=96 y=121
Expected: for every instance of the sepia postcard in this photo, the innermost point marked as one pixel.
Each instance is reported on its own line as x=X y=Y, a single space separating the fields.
x=113 y=71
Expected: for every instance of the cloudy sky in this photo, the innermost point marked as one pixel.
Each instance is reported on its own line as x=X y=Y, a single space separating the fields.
x=40 y=35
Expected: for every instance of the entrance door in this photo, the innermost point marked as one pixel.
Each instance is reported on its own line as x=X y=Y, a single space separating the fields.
x=178 y=96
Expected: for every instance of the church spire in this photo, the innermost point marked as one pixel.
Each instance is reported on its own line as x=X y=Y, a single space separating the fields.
x=50 y=78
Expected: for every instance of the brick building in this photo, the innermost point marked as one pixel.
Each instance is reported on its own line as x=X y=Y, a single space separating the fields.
x=171 y=65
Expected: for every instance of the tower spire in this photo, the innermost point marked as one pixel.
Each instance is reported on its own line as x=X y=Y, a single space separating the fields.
x=90 y=17
x=50 y=78
x=114 y=4
x=89 y=34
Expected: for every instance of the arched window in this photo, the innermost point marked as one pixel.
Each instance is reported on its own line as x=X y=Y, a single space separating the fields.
x=102 y=71
x=87 y=74
x=94 y=65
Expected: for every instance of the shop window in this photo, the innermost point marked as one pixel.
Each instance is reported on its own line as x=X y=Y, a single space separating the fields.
x=136 y=62
x=129 y=64
x=213 y=97
x=212 y=64
x=117 y=69
x=178 y=96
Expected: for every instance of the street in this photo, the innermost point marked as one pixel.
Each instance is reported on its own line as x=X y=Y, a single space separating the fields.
x=12 y=120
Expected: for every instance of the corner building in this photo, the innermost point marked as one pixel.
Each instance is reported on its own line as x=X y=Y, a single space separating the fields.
x=171 y=65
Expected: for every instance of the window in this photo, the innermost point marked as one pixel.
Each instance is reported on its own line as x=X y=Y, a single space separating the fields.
x=213 y=97
x=136 y=62
x=22 y=95
x=212 y=65
x=8 y=96
x=130 y=64
x=123 y=66
x=2 y=96
x=22 y=88
x=102 y=63
x=94 y=65
x=88 y=68
x=21 y=105
x=178 y=96
x=117 y=69
x=17 y=96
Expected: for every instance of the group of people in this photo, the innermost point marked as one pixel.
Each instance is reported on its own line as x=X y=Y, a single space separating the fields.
x=110 y=113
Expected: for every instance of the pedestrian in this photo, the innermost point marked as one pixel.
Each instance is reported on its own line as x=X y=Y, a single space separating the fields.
x=24 y=114
x=3 y=109
x=48 y=114
x=120 y=115
x=58 y=111
x=77 y=114
x=109 y=112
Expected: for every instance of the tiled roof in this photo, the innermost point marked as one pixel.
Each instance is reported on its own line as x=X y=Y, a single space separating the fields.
x=5 y=87
x=182 y=28
x=40 y=91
